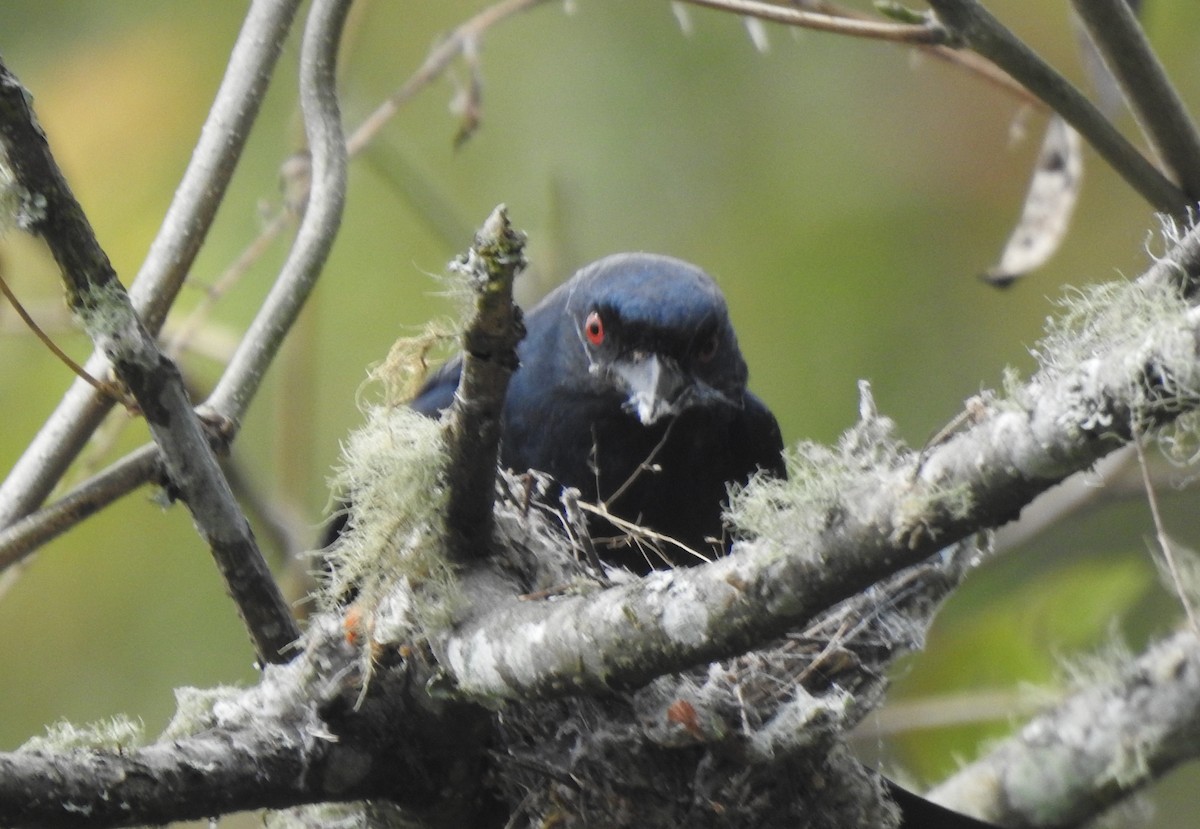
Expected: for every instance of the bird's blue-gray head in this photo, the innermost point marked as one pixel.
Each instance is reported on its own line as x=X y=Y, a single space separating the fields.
x=655 y=330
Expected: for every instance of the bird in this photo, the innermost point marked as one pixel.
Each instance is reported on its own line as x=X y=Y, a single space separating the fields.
x=631 y=389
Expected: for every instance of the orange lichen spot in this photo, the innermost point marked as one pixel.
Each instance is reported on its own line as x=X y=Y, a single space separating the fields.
x=682 y=712
x=354 y=626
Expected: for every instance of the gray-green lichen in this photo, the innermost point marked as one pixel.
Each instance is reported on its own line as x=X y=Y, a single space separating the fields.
x=10 y=196
x=194 y=710
x=819 y=478
x=19 y=207
x=389 y=570
x=104 y=311
x=116 y=733
x=392 y=557
x=1144 y=319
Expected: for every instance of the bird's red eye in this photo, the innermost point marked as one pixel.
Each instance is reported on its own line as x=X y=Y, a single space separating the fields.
x=593 y=328
x=707 y=349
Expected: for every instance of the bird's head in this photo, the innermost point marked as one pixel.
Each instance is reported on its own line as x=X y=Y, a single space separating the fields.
x=656 y=331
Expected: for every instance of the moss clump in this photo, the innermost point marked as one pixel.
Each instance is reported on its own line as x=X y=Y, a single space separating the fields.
x=393 y=547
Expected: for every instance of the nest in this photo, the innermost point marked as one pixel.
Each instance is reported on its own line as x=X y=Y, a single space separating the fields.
x=752 y=741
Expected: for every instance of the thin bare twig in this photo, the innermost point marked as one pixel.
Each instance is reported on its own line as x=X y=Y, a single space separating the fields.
x=968 y=61
x=182 y=336
x=642 y=468
x=106 y=389
x=639 y=533
x=1160 y=533
x=318 y=227
x=917 y=33
x=462 y=38
x=22 y=537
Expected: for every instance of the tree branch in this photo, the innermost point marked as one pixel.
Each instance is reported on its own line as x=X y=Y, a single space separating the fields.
x=1115 y=30
x=489 y=359
x=21 y=538
x=926 y=33
x=931 y=45
x=969 y=21
x=307 y=733
x=463 y=38
x=1104 y=742
x=97 y=296
x=318 y=227
x=200 y=192
x=239 y=750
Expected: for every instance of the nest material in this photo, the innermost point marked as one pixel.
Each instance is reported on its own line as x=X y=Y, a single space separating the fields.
x=753 y=741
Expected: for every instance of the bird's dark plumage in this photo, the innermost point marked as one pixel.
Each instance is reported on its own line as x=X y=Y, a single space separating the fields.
x=632 y=389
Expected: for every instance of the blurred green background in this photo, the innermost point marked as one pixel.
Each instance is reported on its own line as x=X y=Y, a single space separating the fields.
x=844 y=193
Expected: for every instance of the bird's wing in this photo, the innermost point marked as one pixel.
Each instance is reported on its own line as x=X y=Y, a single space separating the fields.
x=762 y=441
x=438 y=391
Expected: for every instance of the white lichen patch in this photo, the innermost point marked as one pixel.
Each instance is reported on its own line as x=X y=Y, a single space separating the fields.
x=11 y=196
x=474 y=661
x=106 y=314
x=19 y=207
x=1102 y=667
x=1099 y=319
x=685 y=616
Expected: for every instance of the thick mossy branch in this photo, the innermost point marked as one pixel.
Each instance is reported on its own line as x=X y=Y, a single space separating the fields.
x=1113 y=735
x=817 y=477
x=850 y=515
x=1158 y=386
